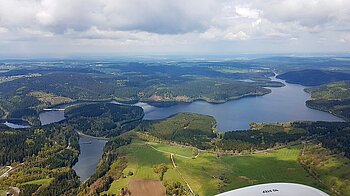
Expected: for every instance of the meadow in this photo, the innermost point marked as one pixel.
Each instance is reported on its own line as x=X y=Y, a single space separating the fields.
x=210 y=174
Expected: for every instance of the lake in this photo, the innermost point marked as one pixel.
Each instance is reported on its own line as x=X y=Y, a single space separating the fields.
x=282 y=104
x=91 y=149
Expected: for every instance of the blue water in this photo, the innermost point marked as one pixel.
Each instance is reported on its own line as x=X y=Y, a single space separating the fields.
x=48 y=117
x=281 y=105
x=91 y=150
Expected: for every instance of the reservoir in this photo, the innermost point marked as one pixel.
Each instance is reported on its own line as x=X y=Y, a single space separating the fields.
x=281 y=105
x=91 y=149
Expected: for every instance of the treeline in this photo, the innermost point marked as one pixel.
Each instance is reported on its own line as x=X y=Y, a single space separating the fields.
x=103 y=119
x=183 y=128
x=333 y=135
x=248 y=139
x=313 y=77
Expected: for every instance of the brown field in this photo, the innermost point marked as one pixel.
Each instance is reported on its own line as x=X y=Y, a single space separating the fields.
x=146 y=187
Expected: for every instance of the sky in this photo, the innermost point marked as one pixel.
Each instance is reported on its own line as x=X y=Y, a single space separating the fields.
x=117 y=27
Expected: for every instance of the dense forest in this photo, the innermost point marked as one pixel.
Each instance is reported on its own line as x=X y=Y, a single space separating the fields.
x=313 y=77
x=332 y=135
x=17 y=145
x=184 y=128
x=56 y=150
x=103 y=119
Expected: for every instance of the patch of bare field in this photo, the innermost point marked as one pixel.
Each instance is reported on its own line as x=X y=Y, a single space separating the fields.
x=146 y=187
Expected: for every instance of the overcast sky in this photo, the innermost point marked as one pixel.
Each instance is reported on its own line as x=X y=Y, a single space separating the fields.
x=117 y=27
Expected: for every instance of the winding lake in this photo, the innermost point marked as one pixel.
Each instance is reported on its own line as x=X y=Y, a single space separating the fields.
x=282 y=104
x=91 y=149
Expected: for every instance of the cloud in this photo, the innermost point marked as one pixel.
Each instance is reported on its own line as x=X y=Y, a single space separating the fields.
x=156 y=16
x=173 y=23
x=248 y=12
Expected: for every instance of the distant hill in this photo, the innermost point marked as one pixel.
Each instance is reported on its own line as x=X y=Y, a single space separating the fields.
x=332 y=97
x=311 y=77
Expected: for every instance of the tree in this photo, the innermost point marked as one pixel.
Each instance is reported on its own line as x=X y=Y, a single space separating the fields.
x=175 y=188
x=160 y=169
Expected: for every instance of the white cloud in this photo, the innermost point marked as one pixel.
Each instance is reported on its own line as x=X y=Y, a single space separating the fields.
x=236 y=36
x=248 y=12
x=173 y=24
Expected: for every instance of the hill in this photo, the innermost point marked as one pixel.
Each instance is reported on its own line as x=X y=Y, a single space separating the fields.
x=184 y=128
x=311 y=77
x=103 y=119
x=333 y=98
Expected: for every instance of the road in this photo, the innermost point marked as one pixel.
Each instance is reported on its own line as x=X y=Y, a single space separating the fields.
x=175 y=166
x=7 y=172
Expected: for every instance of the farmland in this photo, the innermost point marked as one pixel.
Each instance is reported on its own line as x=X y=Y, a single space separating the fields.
x=209 y=174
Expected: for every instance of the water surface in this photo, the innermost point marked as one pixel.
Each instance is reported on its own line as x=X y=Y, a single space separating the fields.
x=281 y=105
x=91 y=150
x=16 y=125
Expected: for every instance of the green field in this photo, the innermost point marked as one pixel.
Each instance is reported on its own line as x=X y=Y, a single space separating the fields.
x=209 y=175
x=177 y=150
x=141 y=158
x=45 y=181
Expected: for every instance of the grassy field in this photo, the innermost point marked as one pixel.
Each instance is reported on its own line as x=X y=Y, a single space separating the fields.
x=45 y=181
x=184 y=151
x=209 y=175
x=141 y=158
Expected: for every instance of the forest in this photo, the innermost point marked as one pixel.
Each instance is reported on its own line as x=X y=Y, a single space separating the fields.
x=103 y=119
x=48 y=164
x=332 y=97
x=183 y=128
x=313 y=77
